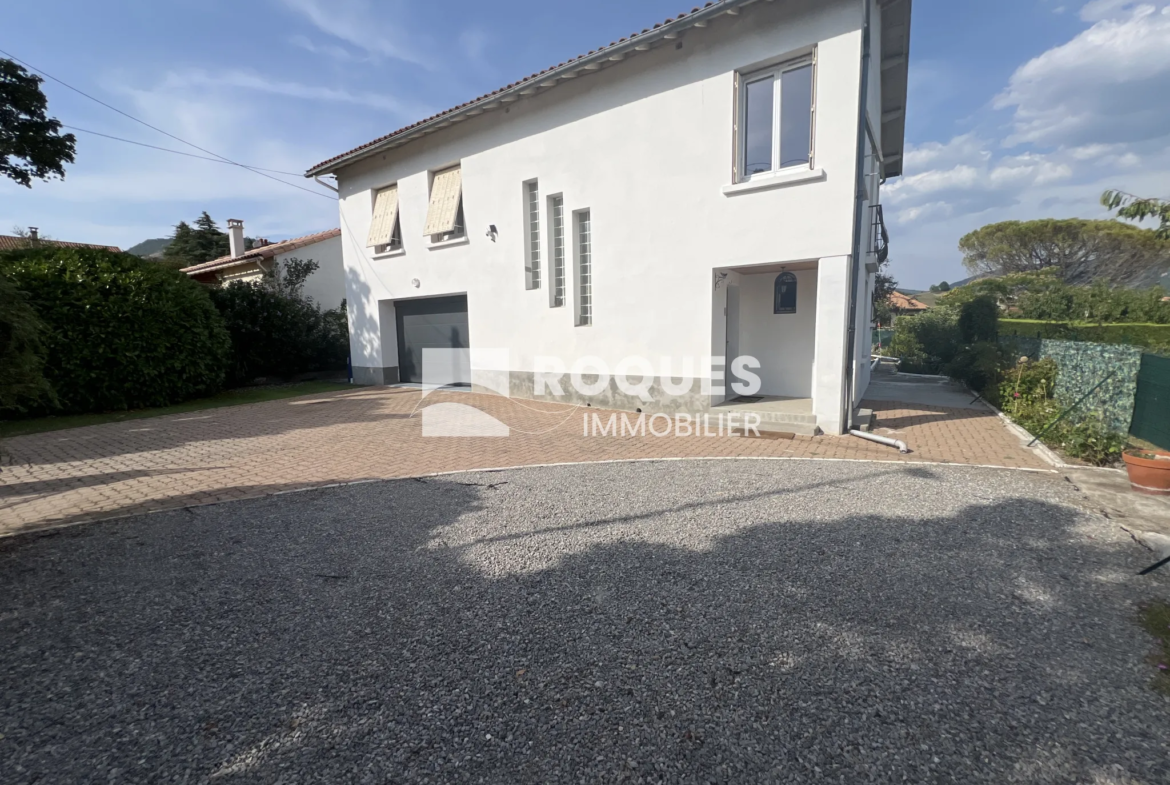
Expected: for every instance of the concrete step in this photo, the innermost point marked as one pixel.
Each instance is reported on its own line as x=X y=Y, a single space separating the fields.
x=781 y=422
x=863 y=420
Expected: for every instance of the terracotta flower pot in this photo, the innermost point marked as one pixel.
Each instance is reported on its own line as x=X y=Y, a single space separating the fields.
x=1148 y=475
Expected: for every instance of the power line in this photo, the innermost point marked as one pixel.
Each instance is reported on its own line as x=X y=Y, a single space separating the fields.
x=159 y=130
x=176 y=152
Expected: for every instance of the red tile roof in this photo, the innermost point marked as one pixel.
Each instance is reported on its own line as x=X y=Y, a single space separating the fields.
x=263 y=252
x=678 y=22
x=904 y=302
x=8 y=242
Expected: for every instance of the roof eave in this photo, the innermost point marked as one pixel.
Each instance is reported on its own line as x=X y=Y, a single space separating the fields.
x=539 y=82
x=895 y=70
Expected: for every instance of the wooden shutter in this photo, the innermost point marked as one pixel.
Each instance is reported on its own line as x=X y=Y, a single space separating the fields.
x=446 y=191
x=385 y=216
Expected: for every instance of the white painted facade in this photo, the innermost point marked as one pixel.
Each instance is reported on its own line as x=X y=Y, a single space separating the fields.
x=647 y=147
x=326 y=286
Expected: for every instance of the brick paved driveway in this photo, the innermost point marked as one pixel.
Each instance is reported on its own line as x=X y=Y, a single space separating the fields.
x=255 y=450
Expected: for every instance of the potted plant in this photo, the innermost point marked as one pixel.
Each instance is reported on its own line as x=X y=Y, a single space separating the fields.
x=1149 y=470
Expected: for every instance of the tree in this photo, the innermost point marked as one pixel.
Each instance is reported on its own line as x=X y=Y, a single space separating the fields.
x=199 y=243
x=1136 y=208
x=1082 y=251
x=288 y=279
x=30 y=143
x=944 y=287
x=22 y=351
x=883 y=286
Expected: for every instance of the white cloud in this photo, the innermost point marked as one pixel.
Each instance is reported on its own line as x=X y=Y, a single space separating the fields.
x=1111 y=83
x=1097 y=10
x=329 y=50
x=1087 y=115
x=964 y=177
x=246 y=80
x=473 y=43
x=361 y=26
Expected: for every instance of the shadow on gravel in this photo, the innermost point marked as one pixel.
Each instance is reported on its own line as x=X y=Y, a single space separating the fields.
x=449 y=631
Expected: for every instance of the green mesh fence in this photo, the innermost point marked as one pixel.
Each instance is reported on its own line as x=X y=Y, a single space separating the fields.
x=1151 y=406
x=1082 y=366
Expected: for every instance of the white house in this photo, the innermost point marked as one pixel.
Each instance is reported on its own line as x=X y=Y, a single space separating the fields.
x=326 y=286
x=708 y=187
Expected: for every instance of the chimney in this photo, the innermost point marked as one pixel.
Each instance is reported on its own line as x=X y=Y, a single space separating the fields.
x=235 y=237
x=32 y=234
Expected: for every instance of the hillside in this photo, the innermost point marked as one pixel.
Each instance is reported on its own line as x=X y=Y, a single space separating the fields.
x=150 y=247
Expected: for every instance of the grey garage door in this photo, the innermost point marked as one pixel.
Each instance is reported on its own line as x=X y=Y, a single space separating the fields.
x=432 y=323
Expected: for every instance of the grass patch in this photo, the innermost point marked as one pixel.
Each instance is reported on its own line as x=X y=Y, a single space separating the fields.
x=1156 y=620
x=235 y=397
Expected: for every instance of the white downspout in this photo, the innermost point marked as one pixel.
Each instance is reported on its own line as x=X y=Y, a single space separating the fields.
x=873 y=437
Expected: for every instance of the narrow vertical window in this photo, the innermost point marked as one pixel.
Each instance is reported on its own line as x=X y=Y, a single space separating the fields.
x=532 y=248
x=758 y=116
x=785 y=300
x=584 y=269
x=796 y=100
x=556 y=213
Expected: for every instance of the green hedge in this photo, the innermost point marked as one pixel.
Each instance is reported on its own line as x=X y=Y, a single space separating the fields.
x=274 y=334
x=1151 y=336
x=120 y=332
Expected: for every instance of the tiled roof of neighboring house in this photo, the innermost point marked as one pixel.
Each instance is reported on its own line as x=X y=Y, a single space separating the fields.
x=892 y=105
x=263 y=252
x=8 y=242
x=904 y=302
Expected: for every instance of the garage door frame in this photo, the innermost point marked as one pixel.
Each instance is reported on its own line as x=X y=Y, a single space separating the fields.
x=407 y=310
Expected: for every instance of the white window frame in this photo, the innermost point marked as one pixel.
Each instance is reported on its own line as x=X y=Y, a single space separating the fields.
x=394 y=247
x=532 y=238
x=582 y=235
x=458 y=235
x=775 y=73
x=558 y=236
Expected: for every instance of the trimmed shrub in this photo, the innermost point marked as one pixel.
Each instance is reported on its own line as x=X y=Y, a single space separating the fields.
x=978 y=320
x=275 y=334
x=120 y=332
x=926 y=342
x=1150 y=336
x=22 y=352
x=978 y=366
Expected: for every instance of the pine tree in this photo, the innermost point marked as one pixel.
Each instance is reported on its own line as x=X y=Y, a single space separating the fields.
x=183 y=250
x=210 y=242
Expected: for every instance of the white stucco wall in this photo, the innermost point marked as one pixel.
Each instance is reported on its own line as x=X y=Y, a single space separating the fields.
x=327 y=285
x=647 y=147
x=783 y=343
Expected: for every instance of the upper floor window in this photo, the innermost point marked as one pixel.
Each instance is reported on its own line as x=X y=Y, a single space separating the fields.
x=776 y=119
x=785 y=293
x=385 y=234
x=445 y=212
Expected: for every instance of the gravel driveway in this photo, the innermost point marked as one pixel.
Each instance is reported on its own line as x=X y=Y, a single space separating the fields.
x=708 y=621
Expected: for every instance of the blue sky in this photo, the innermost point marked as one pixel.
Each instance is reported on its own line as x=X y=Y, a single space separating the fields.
x=1017 y=108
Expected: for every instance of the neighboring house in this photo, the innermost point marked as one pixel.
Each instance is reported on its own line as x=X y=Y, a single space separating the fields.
x=904 y=303
x=707 y=187
x=326 y=286
x=10 y=242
